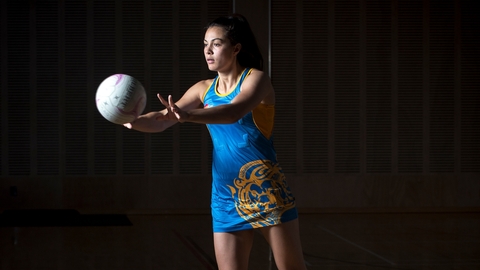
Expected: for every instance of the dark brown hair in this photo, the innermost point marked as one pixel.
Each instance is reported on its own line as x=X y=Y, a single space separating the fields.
x=239 y=31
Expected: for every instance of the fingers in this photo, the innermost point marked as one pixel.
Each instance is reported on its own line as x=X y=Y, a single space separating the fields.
x=172 y=109
x=179 y=114
x=172 y=105
x=162 y=100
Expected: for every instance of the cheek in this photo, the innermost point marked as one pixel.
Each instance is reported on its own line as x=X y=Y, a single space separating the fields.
x=219 y=54
x=225 y=54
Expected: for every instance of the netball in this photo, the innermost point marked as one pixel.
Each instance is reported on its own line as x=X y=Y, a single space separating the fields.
x=120 y=98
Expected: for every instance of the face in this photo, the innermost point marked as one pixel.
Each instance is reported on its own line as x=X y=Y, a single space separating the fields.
x=219 y=52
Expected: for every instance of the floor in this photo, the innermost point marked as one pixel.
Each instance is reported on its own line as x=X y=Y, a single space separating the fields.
x=330 y=241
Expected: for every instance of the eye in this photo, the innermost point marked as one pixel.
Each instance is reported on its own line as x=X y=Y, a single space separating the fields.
x=217 y=44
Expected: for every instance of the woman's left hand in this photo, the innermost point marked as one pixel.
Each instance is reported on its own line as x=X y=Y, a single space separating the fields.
x=173 y=109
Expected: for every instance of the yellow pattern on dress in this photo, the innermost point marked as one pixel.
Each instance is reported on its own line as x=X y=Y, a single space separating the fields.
x=262 y=193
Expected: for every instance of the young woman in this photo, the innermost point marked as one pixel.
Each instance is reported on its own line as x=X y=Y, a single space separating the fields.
x=249 y=191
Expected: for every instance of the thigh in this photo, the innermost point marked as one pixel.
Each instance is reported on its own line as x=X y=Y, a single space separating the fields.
x=232 y=250
x=284 y=240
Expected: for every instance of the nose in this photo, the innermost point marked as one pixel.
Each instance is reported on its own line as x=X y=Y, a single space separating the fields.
x=207 y=50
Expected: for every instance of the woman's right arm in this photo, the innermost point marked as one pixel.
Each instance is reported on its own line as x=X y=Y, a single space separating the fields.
x=152 y=122
x=158 y=121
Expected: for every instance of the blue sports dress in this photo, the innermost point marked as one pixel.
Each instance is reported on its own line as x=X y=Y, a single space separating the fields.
x=249 y=189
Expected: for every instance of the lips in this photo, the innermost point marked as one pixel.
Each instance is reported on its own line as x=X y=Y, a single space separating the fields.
x=210 y=61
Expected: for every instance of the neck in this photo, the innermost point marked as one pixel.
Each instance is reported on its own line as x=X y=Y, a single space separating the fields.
x=228 y=79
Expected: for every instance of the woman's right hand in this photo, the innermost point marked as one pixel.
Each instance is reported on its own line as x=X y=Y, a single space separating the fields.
x=152 y=122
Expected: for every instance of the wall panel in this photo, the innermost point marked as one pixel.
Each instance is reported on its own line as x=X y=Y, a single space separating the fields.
x=105 y=64
x=410 y=95
x=47 y=100
x=284 y=73
x=76 y=92
x=442 y=85
x=347 y=86
x=20 y=83
x=315 y=87
x=378 y=87
x=133 y=55
x=470 y=98
x=162 y=80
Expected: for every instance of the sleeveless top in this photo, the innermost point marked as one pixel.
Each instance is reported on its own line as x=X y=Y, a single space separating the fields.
x=249 y=189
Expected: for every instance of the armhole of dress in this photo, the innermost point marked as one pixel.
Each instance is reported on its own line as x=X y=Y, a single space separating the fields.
x=246 y=74
x=206 y=90
x=249 y=71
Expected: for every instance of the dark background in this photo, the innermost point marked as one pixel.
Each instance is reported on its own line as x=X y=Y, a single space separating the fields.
x=377 y=103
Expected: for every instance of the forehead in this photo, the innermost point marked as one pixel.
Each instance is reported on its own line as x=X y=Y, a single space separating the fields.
x=215 y=32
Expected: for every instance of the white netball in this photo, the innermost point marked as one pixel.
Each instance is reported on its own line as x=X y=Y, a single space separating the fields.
x=120 y=98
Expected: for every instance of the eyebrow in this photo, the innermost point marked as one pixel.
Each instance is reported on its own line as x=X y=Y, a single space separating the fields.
x=213 y=39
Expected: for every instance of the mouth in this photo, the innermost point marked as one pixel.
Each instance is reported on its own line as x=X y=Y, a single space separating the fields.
x=210 y=61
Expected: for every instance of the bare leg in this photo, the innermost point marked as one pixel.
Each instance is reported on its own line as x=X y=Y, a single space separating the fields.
x=232 y=250
x=284 y=239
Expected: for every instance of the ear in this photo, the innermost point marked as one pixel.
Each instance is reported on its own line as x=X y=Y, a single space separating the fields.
x=237 y=48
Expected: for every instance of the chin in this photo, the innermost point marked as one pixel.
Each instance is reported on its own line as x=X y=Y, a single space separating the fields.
x=212 y=68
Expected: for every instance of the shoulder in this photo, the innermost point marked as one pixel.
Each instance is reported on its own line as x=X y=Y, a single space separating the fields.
x=201 y=86
x=257 y=73
x=257 y=78
x=193 y=97
x=259 y=82
x=199 y=89
x=204 y=84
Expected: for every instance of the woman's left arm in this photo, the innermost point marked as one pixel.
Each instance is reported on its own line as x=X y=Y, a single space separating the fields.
x=255 y=88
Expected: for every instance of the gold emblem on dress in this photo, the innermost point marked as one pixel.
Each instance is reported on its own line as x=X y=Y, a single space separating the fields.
x=262 y=193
